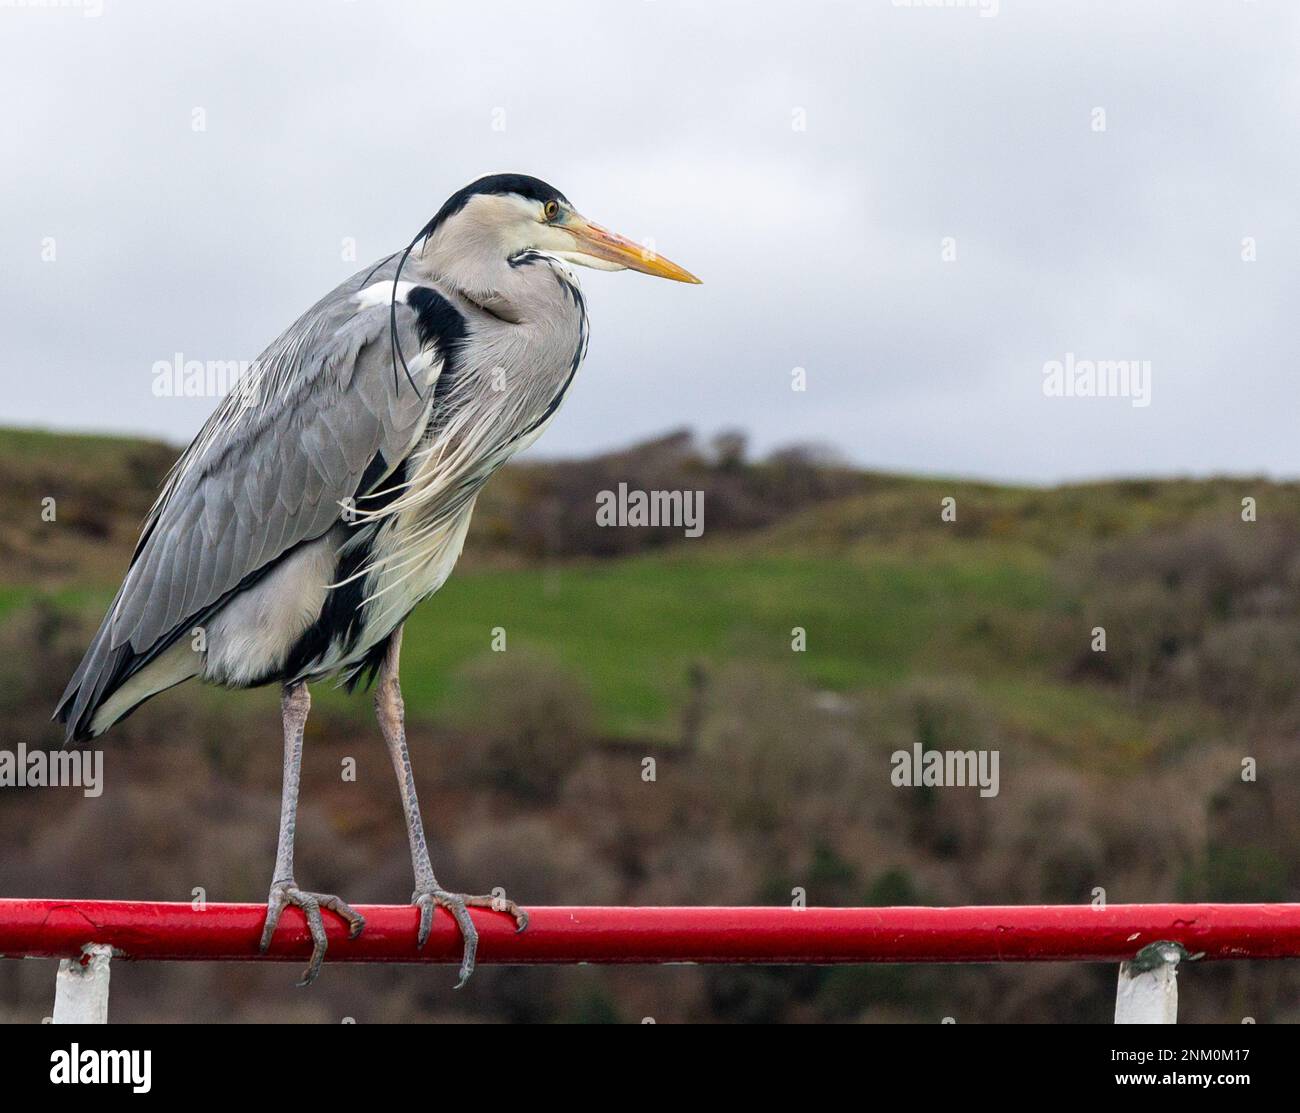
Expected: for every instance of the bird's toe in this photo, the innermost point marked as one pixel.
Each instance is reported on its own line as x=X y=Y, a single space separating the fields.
x=285 y=893
x=459 y=904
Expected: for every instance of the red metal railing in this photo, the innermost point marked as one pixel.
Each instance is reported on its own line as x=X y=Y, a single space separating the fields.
x=1029 y=933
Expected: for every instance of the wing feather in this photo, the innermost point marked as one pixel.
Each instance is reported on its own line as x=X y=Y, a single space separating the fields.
x=265 y=474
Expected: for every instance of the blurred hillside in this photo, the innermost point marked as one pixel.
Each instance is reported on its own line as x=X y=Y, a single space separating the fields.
x=1120 y=770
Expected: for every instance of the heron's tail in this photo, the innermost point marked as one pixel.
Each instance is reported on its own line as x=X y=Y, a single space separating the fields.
x=111 y=682
x=89 y=686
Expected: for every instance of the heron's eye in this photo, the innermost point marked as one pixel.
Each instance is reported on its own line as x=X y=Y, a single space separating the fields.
x=551 y=210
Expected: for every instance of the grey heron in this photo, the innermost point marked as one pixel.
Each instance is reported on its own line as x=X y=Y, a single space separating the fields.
x=331 y=493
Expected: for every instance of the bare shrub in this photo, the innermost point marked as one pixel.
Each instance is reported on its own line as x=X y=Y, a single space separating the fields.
x=531 y=720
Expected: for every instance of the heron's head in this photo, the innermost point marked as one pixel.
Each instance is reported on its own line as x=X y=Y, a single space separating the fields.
x=505 y=214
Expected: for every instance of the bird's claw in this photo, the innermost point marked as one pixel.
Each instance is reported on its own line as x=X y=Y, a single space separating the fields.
x=458 y=904
x=285 y=893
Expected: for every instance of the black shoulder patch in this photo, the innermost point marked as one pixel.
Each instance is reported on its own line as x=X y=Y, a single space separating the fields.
x=438 y=322
x=441 y=326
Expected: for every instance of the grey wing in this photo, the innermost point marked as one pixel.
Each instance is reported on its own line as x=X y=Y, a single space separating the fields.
x=320 y=414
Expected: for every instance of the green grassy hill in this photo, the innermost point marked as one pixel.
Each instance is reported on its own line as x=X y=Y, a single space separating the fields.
x=883 y=587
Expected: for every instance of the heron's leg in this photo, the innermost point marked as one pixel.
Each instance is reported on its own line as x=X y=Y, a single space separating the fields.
x=295 y=702
x=391 y=712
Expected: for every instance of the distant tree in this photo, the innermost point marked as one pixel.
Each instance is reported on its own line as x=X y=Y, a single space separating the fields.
x=728 y=449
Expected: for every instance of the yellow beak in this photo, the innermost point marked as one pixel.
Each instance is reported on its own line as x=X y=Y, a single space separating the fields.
x=601 y=243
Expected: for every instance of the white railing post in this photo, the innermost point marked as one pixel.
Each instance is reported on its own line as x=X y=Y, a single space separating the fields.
x=81 y=992
x=1148 y=986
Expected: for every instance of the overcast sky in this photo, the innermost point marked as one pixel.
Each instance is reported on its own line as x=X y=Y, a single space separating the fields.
x=814 y=163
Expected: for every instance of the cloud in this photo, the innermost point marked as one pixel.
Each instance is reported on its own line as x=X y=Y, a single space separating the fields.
x=821 y=248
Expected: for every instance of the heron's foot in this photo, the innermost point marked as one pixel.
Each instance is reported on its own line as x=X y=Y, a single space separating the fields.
x=285 y=893
x=458 y=905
